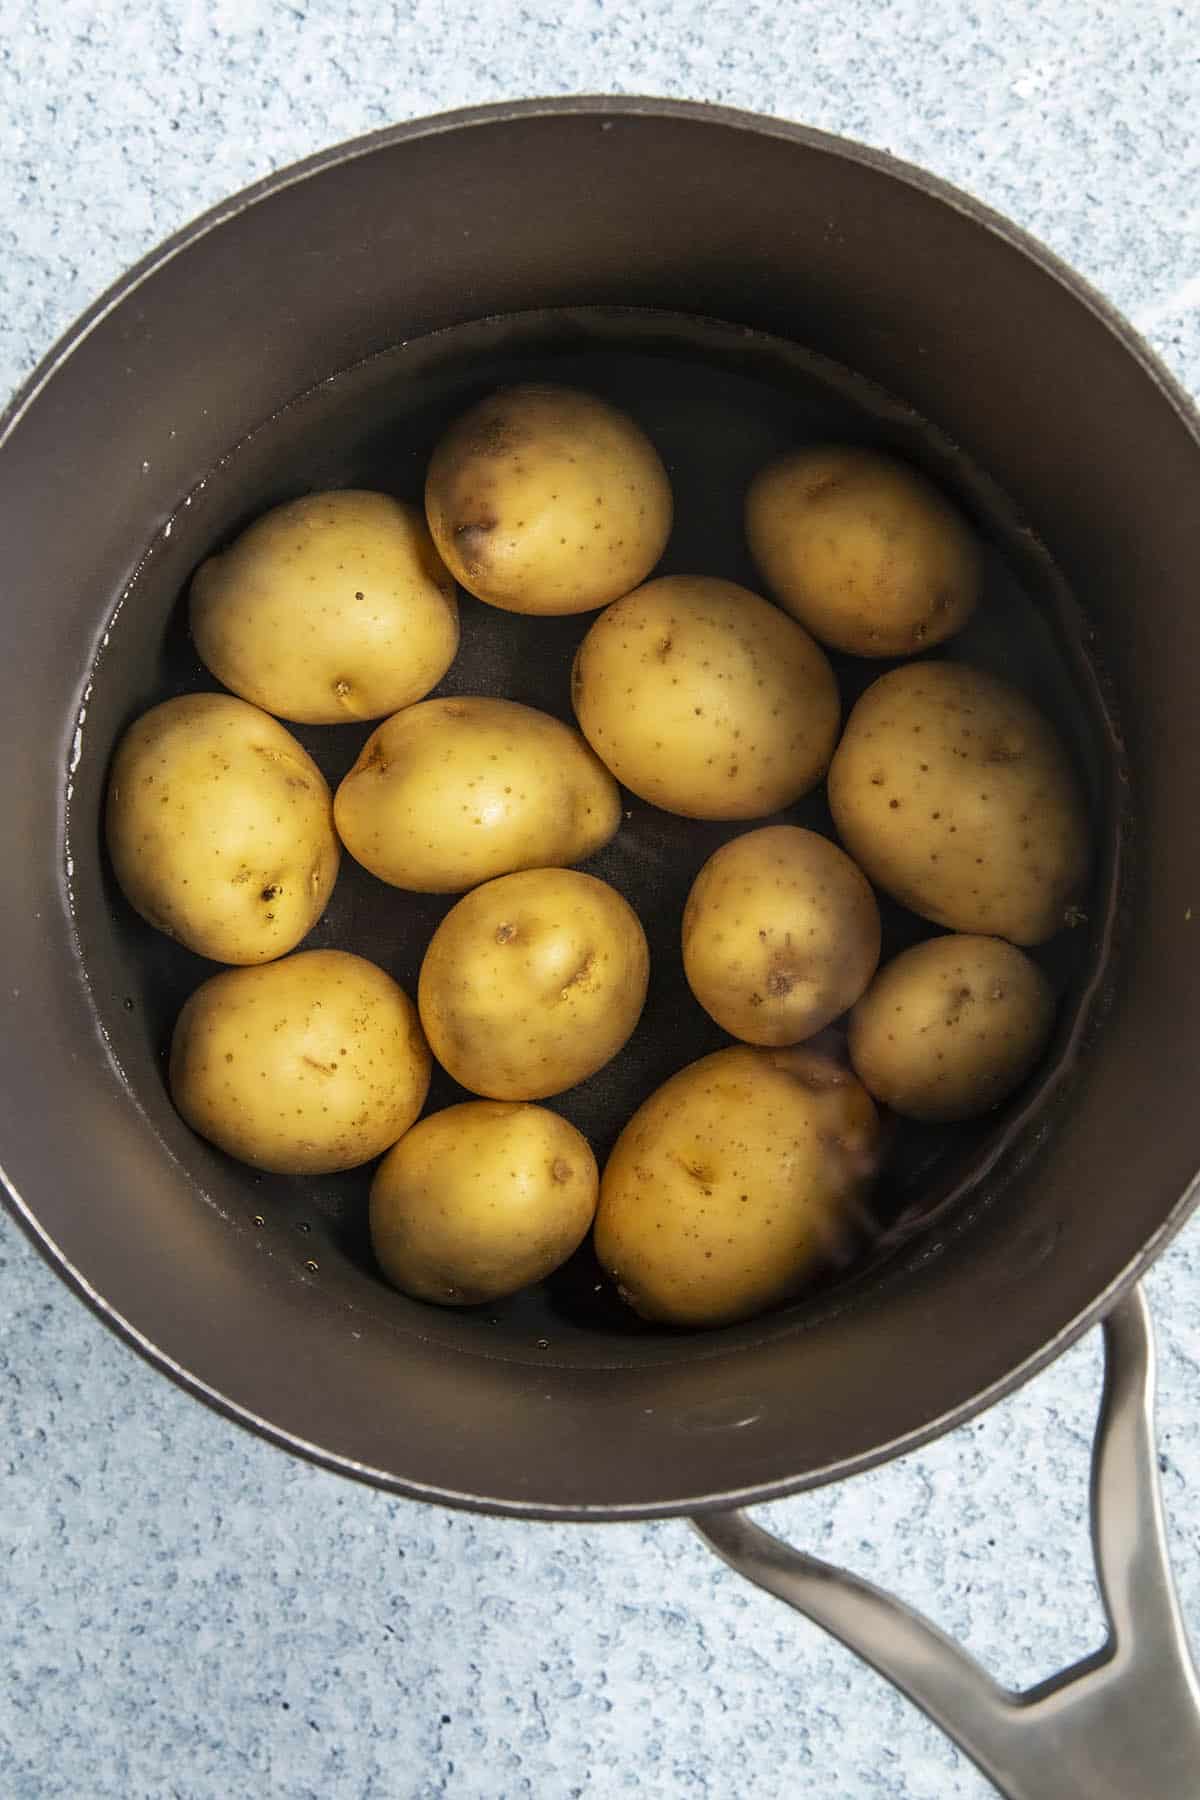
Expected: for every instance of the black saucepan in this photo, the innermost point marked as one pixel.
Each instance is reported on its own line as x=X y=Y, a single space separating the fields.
x=739 y=284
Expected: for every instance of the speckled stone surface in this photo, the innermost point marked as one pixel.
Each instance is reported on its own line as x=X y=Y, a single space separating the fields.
x=187 y=1612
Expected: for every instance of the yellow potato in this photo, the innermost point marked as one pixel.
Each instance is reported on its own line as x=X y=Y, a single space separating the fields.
x=949 y=1028
x=480 y=1200
x=542 y=499
x=220 y=828
x=532 y=983
x=453 y=792
x=706 y=700
x=308 y=1065
x=329 y=608
x=954 y=795
x=780 y=935
x=863 y=550
x=740 y=1179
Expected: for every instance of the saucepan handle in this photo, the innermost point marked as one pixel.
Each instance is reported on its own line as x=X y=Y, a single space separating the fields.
x=1124 y=1722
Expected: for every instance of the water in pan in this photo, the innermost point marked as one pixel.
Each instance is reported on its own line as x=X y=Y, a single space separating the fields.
x=718 y=402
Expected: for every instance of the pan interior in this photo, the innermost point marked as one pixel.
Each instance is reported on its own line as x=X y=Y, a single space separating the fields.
x=718 y=401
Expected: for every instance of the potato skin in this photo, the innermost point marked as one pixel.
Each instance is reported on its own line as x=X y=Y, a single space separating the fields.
x=781 y=935
x=543 y=499
x=863 y=550
x=737 y=1181
x=331 y=608
x=533 y=982
x=220 y=828
x=480 y=1200
x=304 y=1066
x=705 y=699
x=948 y=1029
x=954 y=795
x=453 y=792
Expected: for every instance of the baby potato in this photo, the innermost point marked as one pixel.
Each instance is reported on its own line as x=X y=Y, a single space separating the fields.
x=220 y=828
x=955 y=796
x=949 y=1028
x=453 y=792
x=480 y=1200
x=532 y=983
x=330 y=608
x=863 y=550
x=705 y=699
x=780 y=935
x=740 y=1179
x=307 y=1065
x=543 y=499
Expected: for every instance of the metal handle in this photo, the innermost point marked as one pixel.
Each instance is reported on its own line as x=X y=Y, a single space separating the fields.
x=1123 y=1724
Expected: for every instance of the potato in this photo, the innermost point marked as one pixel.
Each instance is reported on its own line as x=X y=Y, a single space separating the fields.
x=780 y=935
x=480 y=1200
x=330 y=608
x=310 y=1064
x=542 y=499
x=736 y=1182
x=706 y=700
x=453 y=792
x=949 y=1028
x=863 y=550
x=955 y=796
x=532 y=983
x=220 y=828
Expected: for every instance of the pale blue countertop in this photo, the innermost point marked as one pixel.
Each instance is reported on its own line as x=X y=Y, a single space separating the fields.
x=188 y=1612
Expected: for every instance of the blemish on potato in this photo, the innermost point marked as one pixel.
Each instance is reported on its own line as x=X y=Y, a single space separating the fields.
x=694 y=1168
x=470 y=538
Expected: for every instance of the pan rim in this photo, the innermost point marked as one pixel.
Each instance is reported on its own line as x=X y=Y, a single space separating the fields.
x=582 y=1512
x=602 y=108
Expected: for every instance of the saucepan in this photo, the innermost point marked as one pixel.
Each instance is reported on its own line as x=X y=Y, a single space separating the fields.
x=737 y=282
